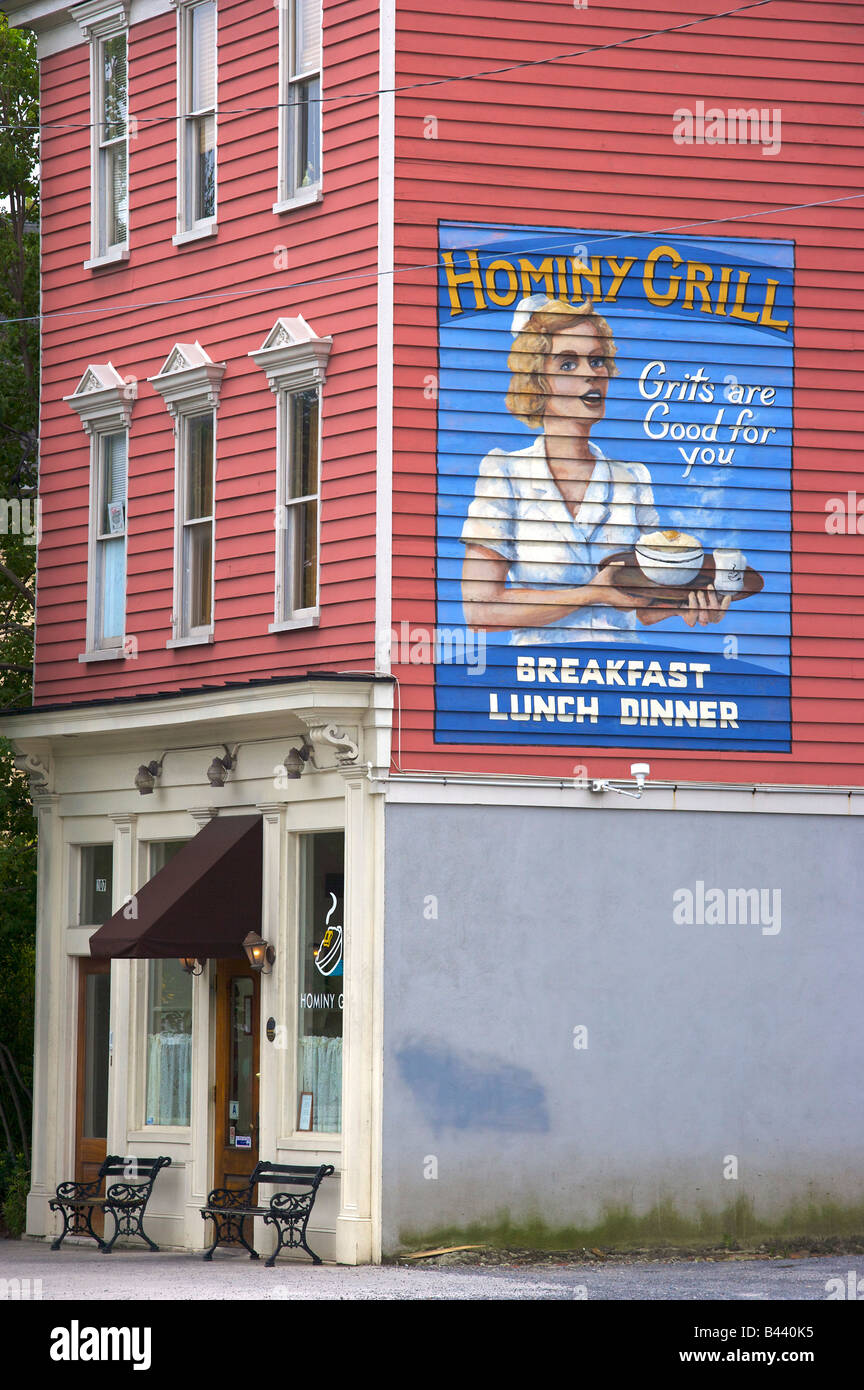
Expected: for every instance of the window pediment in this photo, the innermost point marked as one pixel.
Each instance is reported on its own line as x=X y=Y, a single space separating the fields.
x=103 y=398
x=189 y=379
x=99 y=18
x=292 y=355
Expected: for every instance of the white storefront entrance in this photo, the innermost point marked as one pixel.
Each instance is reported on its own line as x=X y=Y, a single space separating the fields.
x=217 y=1063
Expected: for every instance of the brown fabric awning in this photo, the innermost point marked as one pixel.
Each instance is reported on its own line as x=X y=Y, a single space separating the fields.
x=203 y=903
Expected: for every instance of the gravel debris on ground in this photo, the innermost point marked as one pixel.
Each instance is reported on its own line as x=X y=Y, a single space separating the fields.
x=516 y=1257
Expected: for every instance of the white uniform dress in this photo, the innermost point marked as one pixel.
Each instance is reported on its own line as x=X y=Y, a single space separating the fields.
x=519 y=512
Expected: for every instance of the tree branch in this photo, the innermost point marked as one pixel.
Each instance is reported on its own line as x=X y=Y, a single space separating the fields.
x=18 y=583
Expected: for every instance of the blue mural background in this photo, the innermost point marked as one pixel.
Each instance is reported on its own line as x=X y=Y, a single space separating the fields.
x=743 y=505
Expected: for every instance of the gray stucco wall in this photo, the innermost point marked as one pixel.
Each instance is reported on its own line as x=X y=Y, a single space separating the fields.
x=704 y=1041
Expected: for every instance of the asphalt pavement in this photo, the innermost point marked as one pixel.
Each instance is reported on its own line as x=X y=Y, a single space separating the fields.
x=29 y=1269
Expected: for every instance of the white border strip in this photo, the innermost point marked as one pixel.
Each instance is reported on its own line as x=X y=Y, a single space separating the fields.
x=566 y=794
x=386 y=290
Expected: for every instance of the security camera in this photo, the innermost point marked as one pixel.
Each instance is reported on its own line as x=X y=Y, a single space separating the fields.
x=640 y=771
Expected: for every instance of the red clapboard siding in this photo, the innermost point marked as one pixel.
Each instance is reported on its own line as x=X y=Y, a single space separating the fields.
x=585 y=142
x=282 y=265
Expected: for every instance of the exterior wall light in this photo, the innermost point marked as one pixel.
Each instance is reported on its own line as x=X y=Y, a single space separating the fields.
x=188 y=964
x=147 y=774
x=638 y=771
x=297 y=759
x=261 y=955
x=217 y=772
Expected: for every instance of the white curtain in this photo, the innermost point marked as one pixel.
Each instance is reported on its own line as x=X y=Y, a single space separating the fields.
x=307 y=36
x=321 y=1073
x=169 y=1058
x=203 y=57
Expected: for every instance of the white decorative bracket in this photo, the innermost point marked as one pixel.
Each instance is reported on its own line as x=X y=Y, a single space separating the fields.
x=39 y=773
x=332 y=736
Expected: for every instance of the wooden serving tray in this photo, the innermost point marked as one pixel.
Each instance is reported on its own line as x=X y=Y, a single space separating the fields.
x=630 y=579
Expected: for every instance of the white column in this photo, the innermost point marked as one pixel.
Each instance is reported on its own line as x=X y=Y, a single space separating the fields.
x=271 y=1058
x=358 y=1223
x=273 y=902
x=53 y=1110
x=200 y=1165
x=123 y=1046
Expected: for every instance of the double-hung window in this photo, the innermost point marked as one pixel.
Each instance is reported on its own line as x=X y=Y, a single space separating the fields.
x=112 y=180
x=105 y=28
x=297 y=528
x=189 y=382
x=300 y=110
x=195 y=524
x=294 y=359
x=196 y=163
x=104 y=401
x=108 y=616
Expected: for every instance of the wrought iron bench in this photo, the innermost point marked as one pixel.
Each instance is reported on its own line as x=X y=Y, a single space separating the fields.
x=289 y=1212
x=125 y=1201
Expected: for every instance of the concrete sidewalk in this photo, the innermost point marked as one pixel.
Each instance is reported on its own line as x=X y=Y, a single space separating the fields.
x=80 y=1272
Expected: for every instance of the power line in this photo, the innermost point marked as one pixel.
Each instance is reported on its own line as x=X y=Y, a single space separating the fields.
x=414 y=86
x=429 y=265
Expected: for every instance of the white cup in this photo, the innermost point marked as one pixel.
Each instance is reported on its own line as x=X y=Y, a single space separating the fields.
x=729 y=570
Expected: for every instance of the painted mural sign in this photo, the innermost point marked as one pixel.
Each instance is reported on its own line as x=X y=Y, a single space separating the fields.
x=614 y=475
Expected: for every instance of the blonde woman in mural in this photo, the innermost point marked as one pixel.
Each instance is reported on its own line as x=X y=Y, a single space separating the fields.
x=544 y=517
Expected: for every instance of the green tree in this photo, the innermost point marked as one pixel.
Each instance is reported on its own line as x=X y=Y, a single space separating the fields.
x=19 y=416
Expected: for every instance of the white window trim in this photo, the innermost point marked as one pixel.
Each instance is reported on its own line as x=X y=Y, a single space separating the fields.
x=115 y=256
x=293 y=359
x=98 y=20
x=103 y=401
x=188 y=230
x=289 y=198
x=208 y=227
x=303 y=199
x=189 y=382
x=76 y=881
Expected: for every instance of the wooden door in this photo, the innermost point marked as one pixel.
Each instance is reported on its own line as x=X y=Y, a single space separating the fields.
x=91 y=1126
x=238 y=994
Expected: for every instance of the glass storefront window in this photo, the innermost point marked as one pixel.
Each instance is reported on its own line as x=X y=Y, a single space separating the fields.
x=319 y=1060
x=169 y=1026
x=97 y=1002
x=97 y=867
x=242 y=1061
